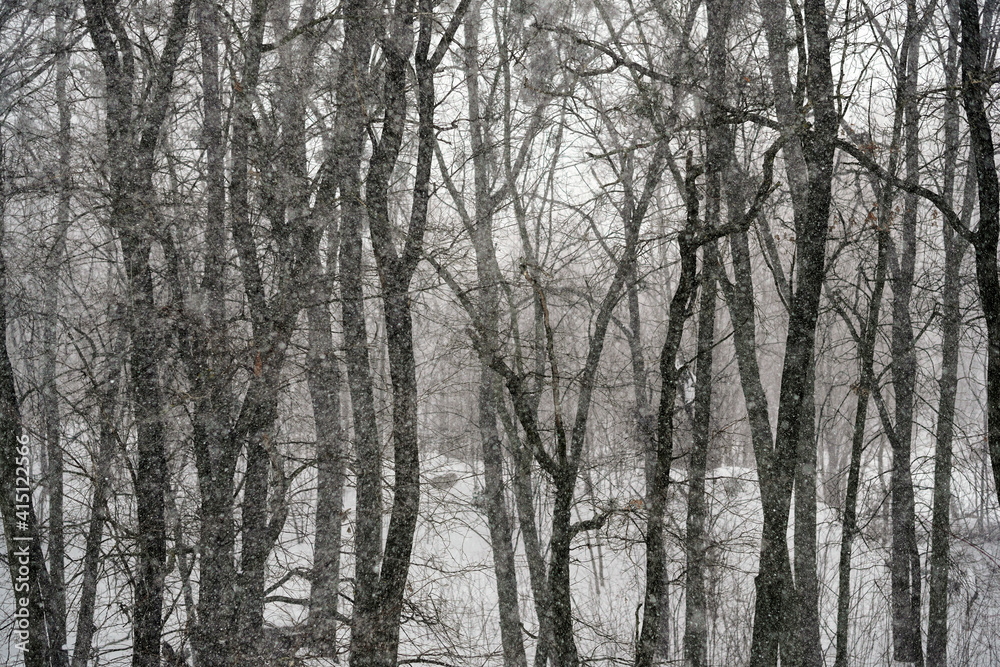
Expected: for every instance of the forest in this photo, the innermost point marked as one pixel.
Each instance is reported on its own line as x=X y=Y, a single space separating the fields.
x=488 y=333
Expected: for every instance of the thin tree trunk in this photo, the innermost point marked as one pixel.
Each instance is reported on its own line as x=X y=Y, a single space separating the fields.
x=498 y=519
x=524 y=455
x=717 y=159
x=655 y=547
x=937 y=616
x=108 y=443
x=36 y=628
x=696 y=539
x=741 y=301
x=359 y=29
x=564 y=466
x=866 y=353
x=49 y=393
x=807 y=651
x=951 y=321
x=396 y=272
x=537 y=572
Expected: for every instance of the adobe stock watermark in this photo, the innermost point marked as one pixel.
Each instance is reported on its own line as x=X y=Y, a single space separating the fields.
x=21 y=556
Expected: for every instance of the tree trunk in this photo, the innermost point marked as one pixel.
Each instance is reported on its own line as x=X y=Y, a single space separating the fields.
x=537 y=571
x=565 y=652
x=696 y=539
x=323 y=376
x=151 y=463
x=488 y=278
x=207 y=367
x=866 y=352
x=985 y=239
x=951 y=321
x=937 y=617
x=85 y=627
x=259 y=406
x=132 y=143
x=905 y=559
x=655 y=548
x=807 y=650
x=775 y=590
x=525 y=454
x=359 y=33
x=49 y=393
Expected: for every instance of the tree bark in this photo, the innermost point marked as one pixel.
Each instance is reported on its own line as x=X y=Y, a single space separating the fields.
x=985 y=239
x=523 y=488
x=207 y=366
x=951 y=320
x=488 y=278
x=696 y=538
x=807 y=649
x=324 y=380
x=680 y=305
x=359 y=32
x=132 y=141
x=49 y=393
x=811 y=202
x=40 y=632
x=866 y=351
x=905 y=559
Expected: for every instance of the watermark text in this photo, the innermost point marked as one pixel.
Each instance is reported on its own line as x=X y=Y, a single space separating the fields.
x=21 y=556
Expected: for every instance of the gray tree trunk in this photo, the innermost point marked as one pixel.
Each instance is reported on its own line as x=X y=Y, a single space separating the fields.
x=696 y=538
x=50 y=343
x=488 y=278
x=905 y=559
x=324 y=380
x=40 y=632
x=92 y=553
x=807 y=649
x=811 y=197
x=954 y=247
x=985 y=239
x=865 y=340
x=132 y=140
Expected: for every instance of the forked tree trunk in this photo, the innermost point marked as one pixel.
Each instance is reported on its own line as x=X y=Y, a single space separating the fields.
x=773 y=624
x=132 y=143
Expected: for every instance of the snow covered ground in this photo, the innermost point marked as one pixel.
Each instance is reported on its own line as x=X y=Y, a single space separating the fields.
x=453 y=614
